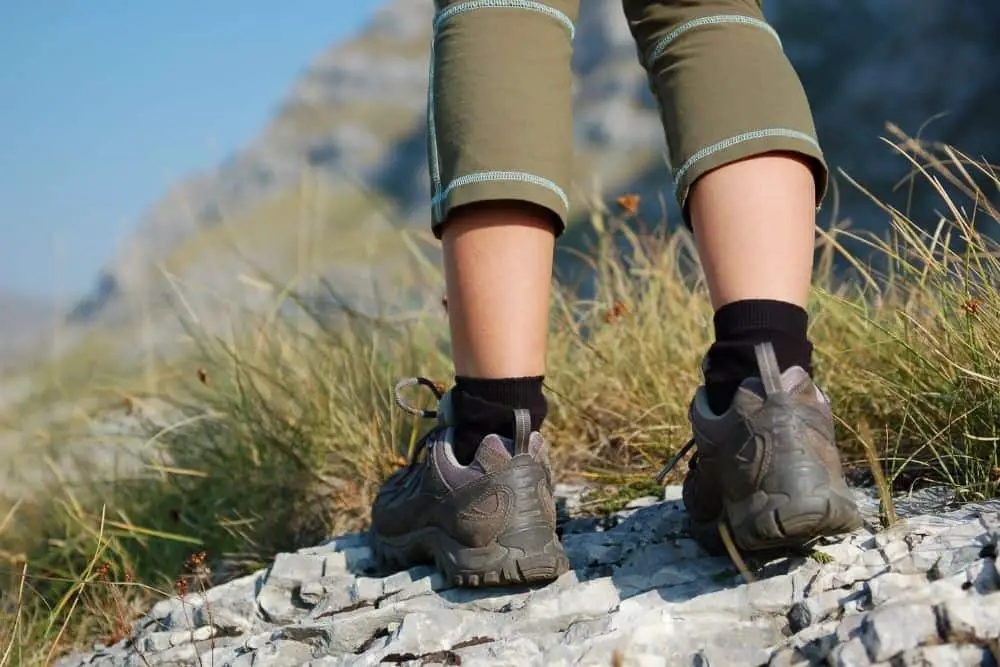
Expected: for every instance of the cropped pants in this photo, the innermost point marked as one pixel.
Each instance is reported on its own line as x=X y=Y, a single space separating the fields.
x=500 y=120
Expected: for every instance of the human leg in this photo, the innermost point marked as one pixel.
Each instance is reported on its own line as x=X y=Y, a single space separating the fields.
x=498 y=270
x=749 y=173
x=500 y=147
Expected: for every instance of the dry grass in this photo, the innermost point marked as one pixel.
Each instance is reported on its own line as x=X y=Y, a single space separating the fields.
x=279 y=432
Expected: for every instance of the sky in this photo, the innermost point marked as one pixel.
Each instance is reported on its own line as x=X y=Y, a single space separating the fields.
x=104 y=104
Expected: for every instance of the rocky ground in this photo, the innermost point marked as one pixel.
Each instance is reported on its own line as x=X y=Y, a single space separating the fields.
x=924 y=592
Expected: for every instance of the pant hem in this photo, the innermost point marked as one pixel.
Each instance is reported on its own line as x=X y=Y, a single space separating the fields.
x=488 y=186
x=748 y=146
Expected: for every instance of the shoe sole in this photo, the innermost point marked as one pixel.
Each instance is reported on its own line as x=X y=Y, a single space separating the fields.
x=527 y=556
x=765 y=522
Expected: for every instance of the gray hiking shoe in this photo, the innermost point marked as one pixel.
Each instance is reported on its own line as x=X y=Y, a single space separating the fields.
x=490 y=523
x=768 y=467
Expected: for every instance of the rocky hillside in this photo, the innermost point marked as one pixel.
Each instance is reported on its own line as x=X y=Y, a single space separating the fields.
x=340 y=170
x=641 y=593
x=25 y=325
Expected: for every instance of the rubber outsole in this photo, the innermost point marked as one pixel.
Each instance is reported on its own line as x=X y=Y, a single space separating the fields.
x=773 y=522
x=496 y=564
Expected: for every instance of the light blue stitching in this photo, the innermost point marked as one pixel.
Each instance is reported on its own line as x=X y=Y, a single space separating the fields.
x=662 y=45
x=435 y=164
x=502 y=176
x=531 y=5
x=732 y=141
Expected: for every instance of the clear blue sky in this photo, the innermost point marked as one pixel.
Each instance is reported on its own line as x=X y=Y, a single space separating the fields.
x=104 y=104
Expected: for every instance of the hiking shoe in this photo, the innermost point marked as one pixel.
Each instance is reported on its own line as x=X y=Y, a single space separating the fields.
x=490 y=523
x=768 y=467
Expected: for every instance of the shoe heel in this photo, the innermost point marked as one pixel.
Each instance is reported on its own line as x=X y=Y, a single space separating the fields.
x=530 y=535
x=527 y=550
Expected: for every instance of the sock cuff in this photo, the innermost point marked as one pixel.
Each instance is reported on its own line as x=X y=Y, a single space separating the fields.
x=488 y=404
x=751 y=314
x=514 y=392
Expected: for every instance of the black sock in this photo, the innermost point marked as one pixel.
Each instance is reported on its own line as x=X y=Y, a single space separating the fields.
x=483 y=407
x=741 y=325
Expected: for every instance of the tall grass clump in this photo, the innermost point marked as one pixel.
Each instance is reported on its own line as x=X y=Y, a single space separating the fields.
x=277 y=434
x=912 y=345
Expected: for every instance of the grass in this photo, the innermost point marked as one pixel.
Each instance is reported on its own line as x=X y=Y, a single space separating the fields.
x=277 y=433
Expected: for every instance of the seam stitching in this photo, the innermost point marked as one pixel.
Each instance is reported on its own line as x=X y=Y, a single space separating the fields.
x=501 y=177
x=720 y=19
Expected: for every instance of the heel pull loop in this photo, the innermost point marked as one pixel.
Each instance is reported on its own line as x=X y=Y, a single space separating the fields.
x=522 y=431
x=770 y=372
x=415 y=381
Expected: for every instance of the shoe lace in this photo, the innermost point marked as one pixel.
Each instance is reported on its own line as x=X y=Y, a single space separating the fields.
x=439 y=393
x=675 y=459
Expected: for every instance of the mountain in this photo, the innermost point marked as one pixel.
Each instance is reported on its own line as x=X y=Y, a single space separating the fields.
x=25 y=326
x=340 y=170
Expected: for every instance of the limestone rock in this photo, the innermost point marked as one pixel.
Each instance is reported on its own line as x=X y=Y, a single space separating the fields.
x=640 y=591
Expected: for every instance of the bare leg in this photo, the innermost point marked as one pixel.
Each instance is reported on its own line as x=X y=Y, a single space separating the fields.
x=498 y=270
x=754 y=221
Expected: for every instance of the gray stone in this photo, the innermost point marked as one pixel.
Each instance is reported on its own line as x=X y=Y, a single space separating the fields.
x=764 y=596
x=592 y=549
x=946 y=655
x=983 y=576
x=172 y=613
x=235 y=615
x=183 y=654
x=278 y=598
x=643 y=591
x=297 y=567
x=157 y=641
x=789 y=657
x=560 y=608
x=345 y=634
x=846 y=553
x=892 y=629
x=418 y=581
x=282 y=653
x=312 y=592
x=259 y=640
x=851 y=653
x=513 y=652
x=366 y=589
x=973 y=618
x=891 y=585
x=227 y=656
x=830 y=603
x=814 y=642
x=427 y=632
x=353 y=559
x=277 y=603
x=161 y=641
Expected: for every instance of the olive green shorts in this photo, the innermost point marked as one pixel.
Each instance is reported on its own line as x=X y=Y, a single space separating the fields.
x=500 y=102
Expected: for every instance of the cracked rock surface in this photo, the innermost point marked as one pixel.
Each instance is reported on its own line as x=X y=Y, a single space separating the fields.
x=924 y=592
